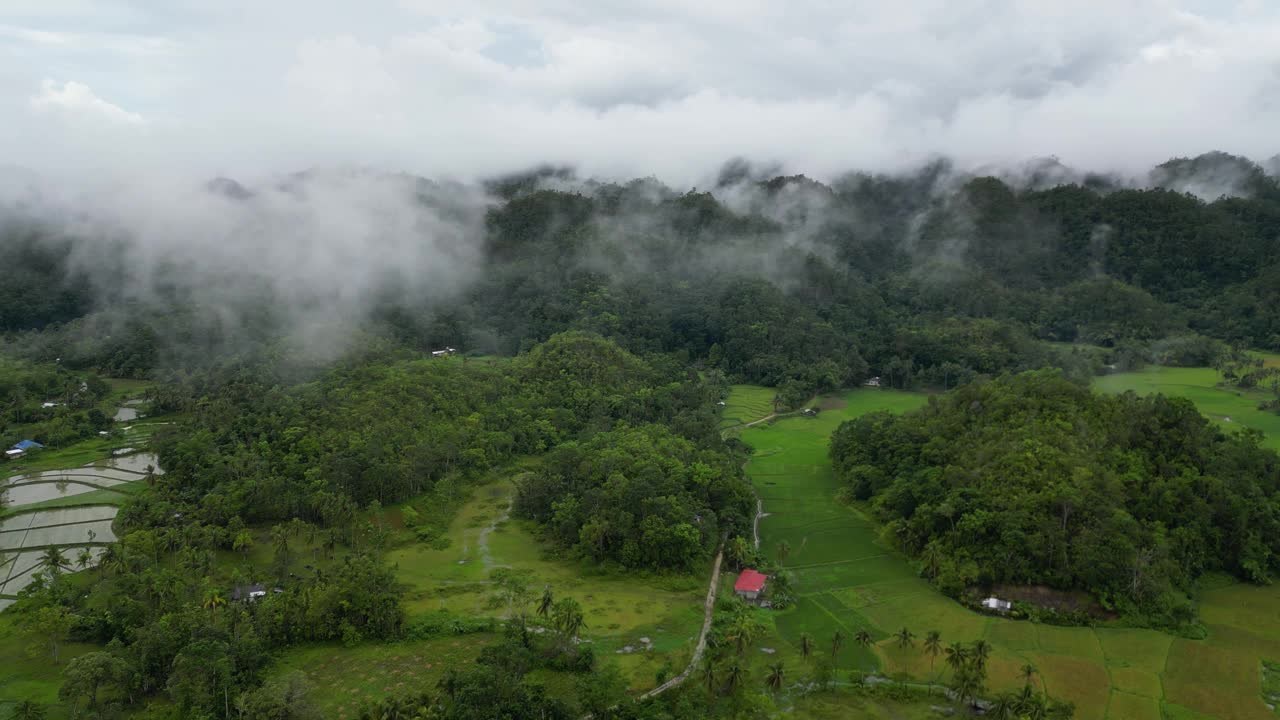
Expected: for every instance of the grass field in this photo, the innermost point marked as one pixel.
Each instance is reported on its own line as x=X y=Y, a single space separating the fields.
x=746 y=403
x=1229 y=408
x=847 y=580
x=620 y=610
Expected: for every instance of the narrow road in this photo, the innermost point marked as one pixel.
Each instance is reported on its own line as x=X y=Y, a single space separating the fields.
x=701 y=647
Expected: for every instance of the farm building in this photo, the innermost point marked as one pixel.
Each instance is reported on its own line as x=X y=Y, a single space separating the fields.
x=444 y=352
x=995 y=603
x=13 y=454
x=27 y=445
x=873 y=382
x=250 y=593
x=750 y=584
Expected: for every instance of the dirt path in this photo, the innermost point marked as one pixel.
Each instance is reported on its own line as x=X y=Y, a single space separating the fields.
x=700 y=648
x=755 y=525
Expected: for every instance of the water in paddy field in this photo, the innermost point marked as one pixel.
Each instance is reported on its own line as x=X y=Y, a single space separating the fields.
x=126 y=414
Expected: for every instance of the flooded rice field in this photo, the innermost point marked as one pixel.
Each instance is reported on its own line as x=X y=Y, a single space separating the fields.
x=25 y=536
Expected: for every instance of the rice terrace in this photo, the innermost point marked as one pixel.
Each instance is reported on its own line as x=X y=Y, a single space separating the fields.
x=847 y=580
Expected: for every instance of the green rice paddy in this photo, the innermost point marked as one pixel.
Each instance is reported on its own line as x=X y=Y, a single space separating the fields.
x=848 y=580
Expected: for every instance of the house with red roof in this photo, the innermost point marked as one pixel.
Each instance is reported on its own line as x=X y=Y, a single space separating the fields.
x=750 y=584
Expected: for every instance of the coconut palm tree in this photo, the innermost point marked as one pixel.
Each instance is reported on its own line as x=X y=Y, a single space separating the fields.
x=280 y=542
x=932 y=646
x=863 y=638
x=1028 y=672
x=806 y=645
x=1005 y=706
x=84 y=557
x=743 y=632
x=733 y=676
x=957 y=655
x=28 y=710
x=837 y=642
x=777 y=675
x=213 y=599
x=905 y=638
x=545 y=604
x=981 y=652
x=709 y=673
x=53 y=560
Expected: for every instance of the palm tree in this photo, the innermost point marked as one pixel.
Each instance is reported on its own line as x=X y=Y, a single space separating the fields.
x=905 y=638
x=28 y=710
x=330 y=542
x=783 y=550
x=450 y=683
x=1005 y=707
x=709 y=673
x=243 y=542
x=776 y=676
x=53 y=560
x=1028 y=672
x=957 y=656
x=837 y=642
x=280 y=541
x=568 y=617
x=84 y=557
x=932 y=646
x=981 y=651
x=743 y=632
x=546 y=603
x=213 y=600
x=806 y=645
x=740 y=551
x=733 y=677
x=863 y=638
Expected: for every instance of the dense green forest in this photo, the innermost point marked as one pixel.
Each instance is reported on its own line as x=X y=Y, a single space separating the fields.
x=1034 y=479
x=596 y=335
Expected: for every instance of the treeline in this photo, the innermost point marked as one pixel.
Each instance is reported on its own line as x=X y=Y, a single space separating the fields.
x=919 y=278
x=1034 y=479
x=47 y=403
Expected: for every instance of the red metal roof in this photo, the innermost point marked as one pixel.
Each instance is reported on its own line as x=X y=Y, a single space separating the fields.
x=750 y=581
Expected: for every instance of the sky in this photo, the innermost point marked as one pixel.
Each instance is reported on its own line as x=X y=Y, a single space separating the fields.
x=630 y=88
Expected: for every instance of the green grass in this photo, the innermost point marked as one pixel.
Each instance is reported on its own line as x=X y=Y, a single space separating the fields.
x=846 y=578
x=747 y=403
x=1200 y=385
x=347 y=678
x=620 y=609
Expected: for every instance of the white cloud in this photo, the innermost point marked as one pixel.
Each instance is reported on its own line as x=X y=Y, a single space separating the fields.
x=661 y=87
x=75 y=100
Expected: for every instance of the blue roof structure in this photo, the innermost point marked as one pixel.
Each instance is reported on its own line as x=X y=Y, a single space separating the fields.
x=28 y=445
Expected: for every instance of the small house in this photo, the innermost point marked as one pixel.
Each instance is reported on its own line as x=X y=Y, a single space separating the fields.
x=251 y=593
x=444 y=352
x=995 y=603
x=750 y=584
x=810 y=412
x=14 y=454
x=27 y=445
x=873 y=382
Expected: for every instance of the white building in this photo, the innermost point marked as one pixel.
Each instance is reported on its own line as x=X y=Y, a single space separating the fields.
x=995 y=603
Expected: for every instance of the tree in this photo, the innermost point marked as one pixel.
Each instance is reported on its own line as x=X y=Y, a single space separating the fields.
x=905 y=638
x=567 y=615
x=83 y=557
x=837 y=642
x=243 y=542
x=709 y=673
x=54 y=622
x=213 y=599
x=743 y=631
x=775 y=677
x=784 y=551
x=1028 y=673
x=957 y=656
x=600 y=690
x=740 y=551
x=546 y=602
x=280 y=543
x=733 y=676
x=863 y=638
x=53 y=560
x=981 y=651
x=85 y=676
x=806 y=645
x=932 y=646
x=28 y=710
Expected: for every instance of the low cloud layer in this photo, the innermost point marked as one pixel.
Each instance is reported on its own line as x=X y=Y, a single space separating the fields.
x=622 y=89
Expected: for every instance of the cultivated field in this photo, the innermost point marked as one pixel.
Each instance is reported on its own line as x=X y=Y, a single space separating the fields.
x=1231 y=409
x=848 y=580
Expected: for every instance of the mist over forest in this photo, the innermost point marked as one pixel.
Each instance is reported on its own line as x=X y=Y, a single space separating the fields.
x=927 y=276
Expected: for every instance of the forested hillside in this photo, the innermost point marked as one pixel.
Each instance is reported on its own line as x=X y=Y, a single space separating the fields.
x=925 y=278
x=1033 y=479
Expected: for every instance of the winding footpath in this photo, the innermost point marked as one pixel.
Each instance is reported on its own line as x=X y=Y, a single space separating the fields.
x=701 y=647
